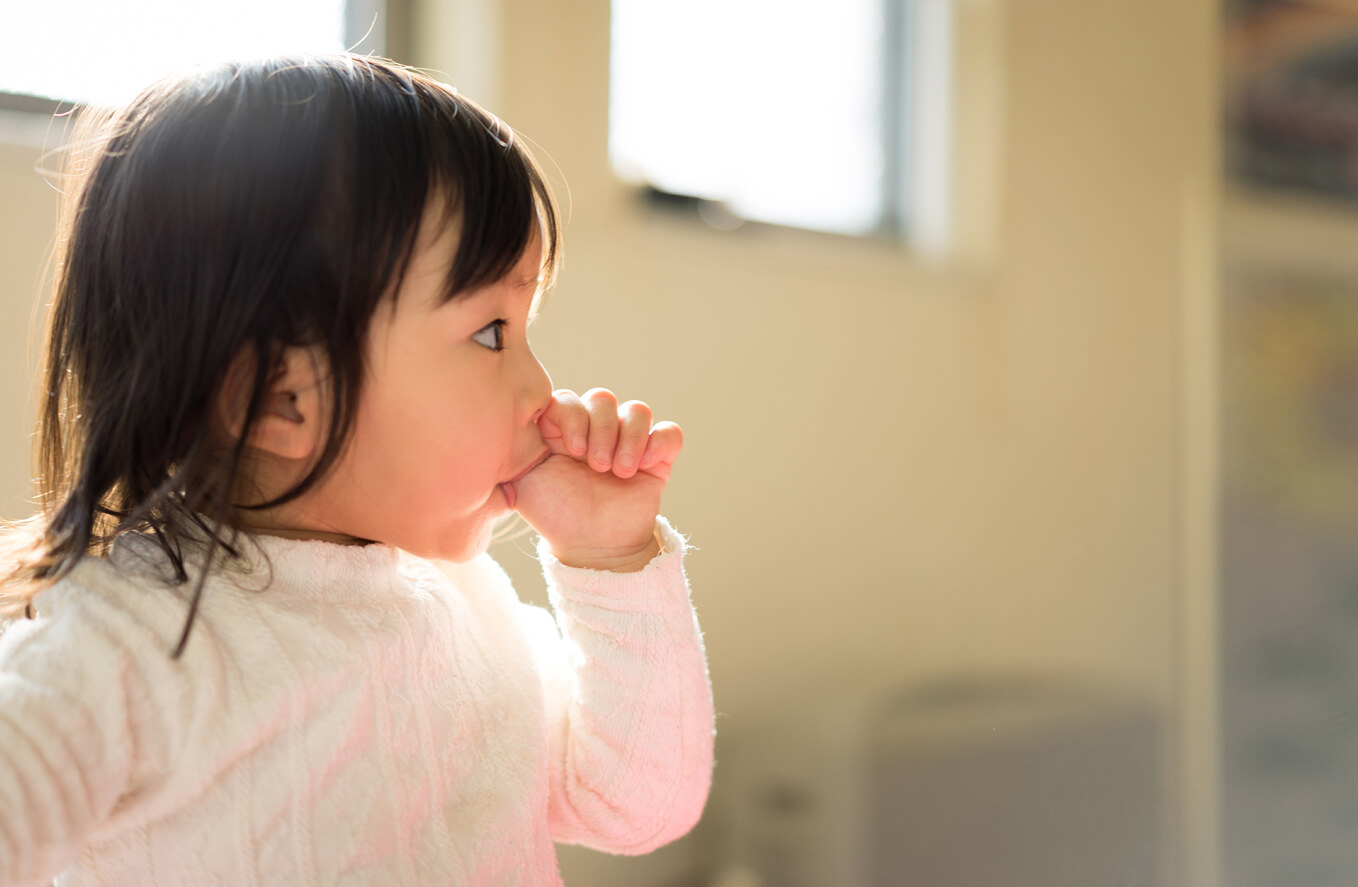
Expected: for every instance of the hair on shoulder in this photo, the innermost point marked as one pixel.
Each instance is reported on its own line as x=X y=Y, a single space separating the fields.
x=244 y=208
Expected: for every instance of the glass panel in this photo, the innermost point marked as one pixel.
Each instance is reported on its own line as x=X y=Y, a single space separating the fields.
x=104 y=53
x=773 y=107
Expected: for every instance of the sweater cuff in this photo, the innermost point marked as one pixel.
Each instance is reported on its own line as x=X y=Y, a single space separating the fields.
x=577 y=582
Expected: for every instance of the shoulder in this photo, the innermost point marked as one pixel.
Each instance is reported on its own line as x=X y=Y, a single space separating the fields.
x=484 y=584
x=98 y=648
x=481 y=574
x=101 y=610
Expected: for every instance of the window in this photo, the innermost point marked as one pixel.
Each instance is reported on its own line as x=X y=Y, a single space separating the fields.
x=828 y=116
x=104 y=52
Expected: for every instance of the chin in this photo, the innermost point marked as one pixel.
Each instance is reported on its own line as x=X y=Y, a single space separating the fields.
x=462 y=546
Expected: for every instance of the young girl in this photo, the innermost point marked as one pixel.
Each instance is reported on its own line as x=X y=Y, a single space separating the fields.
x=289 y=393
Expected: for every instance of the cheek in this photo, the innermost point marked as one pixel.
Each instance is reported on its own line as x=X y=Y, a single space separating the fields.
x=461 y=451
x=436 y=428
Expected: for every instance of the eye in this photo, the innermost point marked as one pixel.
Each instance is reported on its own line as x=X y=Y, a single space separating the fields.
x=491 y=336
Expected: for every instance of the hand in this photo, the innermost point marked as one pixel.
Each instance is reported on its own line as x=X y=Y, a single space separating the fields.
x=596 y=497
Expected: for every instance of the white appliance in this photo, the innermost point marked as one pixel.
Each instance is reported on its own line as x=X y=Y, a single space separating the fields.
x=966 y=783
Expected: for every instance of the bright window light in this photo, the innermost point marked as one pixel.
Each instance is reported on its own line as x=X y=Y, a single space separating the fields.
x=777 y=108
x=104 y=52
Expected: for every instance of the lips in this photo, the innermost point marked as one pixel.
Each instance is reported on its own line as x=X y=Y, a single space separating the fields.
x=541 y=457
x=511 y=494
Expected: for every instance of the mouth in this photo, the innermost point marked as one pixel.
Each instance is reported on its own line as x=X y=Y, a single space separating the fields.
x=507 y=487
x=538 y=460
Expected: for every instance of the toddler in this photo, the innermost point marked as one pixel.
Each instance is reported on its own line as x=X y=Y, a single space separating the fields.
x=255 y=637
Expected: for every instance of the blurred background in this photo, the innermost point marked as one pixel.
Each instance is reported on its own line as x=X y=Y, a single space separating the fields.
x=1015 y=346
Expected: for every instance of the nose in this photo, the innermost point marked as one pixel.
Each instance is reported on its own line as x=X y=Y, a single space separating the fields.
x=537 y=389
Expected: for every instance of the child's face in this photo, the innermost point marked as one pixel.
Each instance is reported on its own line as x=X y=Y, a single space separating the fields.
x=444 y=418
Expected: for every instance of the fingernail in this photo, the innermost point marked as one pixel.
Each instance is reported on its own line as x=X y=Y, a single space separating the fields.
x=601 y=457
x=627 y=461
x=578 y=444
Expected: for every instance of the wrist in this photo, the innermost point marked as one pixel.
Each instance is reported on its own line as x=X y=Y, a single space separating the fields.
x=611 y=560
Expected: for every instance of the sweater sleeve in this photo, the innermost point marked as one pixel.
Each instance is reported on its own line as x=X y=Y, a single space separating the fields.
x=74 y=701
x=65 y=754
x=629 y=705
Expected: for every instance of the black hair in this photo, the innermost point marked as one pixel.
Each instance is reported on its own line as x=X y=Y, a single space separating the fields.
x=244 y=209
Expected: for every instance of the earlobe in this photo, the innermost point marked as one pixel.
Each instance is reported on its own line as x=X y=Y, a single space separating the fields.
x=288 y=422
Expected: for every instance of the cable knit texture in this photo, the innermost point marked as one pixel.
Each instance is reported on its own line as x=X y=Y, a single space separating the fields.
x=347 y=715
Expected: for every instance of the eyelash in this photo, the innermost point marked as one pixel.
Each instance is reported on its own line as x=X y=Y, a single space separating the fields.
x=497 y=328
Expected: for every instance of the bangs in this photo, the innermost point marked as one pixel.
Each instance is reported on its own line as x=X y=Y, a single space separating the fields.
x=510 y=206
x=424 y=139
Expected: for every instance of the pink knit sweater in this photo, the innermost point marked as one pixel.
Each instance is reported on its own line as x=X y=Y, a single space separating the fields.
x=348 y=715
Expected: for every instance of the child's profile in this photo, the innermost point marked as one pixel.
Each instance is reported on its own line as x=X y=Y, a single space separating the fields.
x=254 y=635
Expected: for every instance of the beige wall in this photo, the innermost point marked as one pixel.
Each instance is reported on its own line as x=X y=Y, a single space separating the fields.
x=28 y=213
x=896 y=471
x=892 y=471
x=921 y=468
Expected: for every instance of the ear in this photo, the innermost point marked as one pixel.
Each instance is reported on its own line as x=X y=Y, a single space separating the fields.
x=288 y=425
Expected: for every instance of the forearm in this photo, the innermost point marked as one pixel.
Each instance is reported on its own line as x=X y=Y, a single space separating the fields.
x=632 y=730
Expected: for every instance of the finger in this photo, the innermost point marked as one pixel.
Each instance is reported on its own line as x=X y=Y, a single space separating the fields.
x=564 y=425
x=634 y=429
x=662 y=448
x=602 y=405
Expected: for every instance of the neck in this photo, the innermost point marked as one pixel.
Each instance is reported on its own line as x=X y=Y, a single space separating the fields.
x=291 y=524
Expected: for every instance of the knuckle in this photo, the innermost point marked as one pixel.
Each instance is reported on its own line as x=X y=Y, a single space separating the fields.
x=635 y=408
x=601 y=396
